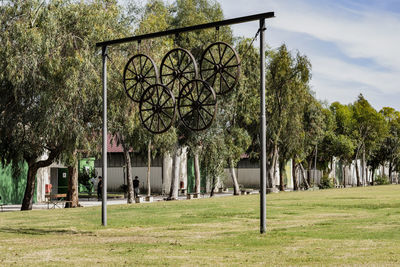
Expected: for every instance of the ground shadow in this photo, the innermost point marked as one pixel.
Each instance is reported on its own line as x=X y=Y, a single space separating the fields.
x=41 y=231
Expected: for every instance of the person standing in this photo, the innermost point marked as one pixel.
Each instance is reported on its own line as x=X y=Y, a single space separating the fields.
x=136 y=186
x=100 y=188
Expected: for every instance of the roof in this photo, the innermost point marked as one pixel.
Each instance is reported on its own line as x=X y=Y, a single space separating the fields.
x=112 y=146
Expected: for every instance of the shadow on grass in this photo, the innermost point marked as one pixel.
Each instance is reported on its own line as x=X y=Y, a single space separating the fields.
x=40 y=231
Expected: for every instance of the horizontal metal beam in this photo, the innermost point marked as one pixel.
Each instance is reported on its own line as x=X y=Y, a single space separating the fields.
x=188 y=29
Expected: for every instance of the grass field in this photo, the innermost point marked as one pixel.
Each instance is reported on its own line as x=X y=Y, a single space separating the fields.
x=354 y=226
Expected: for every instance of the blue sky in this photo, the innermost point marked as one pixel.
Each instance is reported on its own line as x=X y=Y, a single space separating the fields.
x=353 y=45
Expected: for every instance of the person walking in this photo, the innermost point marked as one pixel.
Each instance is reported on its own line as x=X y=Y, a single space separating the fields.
x=136 y=187
x=100 y=188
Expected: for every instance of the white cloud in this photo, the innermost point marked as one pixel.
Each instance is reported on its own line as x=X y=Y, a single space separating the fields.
x=369 y=33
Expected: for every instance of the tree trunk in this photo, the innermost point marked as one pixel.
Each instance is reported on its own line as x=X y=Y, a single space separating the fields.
x=30 y=187
x=281 y=170
x=148 y=168
x=128 y=165
x=357 y=174
x=72 y=186
x=173 y=195
x=373 y=176
x=304 y=176
x=236 y=189
x=271 y=166
x=197 y=173
x=390 y=172
x=363 y=178
x=356 y=165
x=294 y=175
x=212 y=187
x=309 y=175
x=33 y=167
x=344 y=174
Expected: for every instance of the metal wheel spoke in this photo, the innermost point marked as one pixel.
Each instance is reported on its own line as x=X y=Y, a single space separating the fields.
x=162 y=105
x=189 y=72
x=147 y=82
x=170 y=60
x=162 y=122
x=219 y=52
x=151 y=115
x=226 y=63
x=209 y=104
x=166 y=114
x=232 y=66
x=207 y=111
x=202 y=119
x=223 y=53
x=150 y=69
x=131 y=71
x=229 y=74
x=206 y=97
x=144 y=65
x=213 y=59
x=213 y=74
x=168 y=67
x=212 y=63
x=191 y=111
x=225 y=81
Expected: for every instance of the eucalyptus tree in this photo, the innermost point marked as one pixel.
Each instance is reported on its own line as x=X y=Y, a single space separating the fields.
x=186 y=13
x=49 y=79
x=342 y=140
x=390 y=145
x=314 y=133
x=287 y=81
x=369 y=129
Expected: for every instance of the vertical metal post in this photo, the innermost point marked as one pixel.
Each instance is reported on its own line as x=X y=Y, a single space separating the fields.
x=104 y=191
x=263 y=160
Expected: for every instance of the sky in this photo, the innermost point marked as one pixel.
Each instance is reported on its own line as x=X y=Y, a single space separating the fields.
x=353 y=45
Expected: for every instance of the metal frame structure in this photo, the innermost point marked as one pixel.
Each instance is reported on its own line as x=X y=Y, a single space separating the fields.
x=261 y=18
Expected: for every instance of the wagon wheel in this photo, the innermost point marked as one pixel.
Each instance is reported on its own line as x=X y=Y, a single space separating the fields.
x=140 y=72
x=177 y=68
x=220 y=67
x=157 y=108
x=197 y=105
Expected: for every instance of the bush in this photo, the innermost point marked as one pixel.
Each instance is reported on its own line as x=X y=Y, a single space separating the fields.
x=326 y=182
x=381 y=180
x=124 y=188
x=84 y=179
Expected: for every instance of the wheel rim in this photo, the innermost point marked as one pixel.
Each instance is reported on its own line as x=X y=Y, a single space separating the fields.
x=220 y=67
x=197 y=105
x=140 y=72
x=157 y=109
x=177 y=68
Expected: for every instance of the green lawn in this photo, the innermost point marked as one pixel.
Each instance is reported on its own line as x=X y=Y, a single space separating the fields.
x=351 y=226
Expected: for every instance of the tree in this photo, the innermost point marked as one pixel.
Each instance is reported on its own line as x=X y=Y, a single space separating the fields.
x=368 y=129
x=389 y=149
x=49 y=82
x=287 y=83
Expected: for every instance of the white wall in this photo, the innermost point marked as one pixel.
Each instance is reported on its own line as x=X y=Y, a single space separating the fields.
x=115 y=178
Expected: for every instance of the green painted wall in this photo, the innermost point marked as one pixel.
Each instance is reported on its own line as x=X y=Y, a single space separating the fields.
x=12 y=189
x=86 y=163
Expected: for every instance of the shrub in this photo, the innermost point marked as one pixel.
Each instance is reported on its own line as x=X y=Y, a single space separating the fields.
x=381 y=179
x=325 y=182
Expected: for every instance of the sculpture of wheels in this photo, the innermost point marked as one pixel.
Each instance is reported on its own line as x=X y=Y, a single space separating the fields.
x=140 y=72
x=220 y=67
x=177 y=68
x=157 y=108
x=197 y=105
